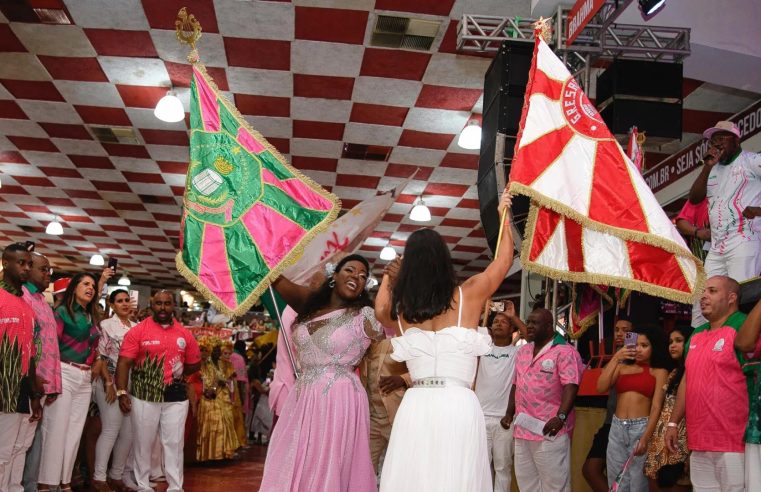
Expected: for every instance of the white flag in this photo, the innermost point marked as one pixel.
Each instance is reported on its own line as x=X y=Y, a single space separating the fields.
x=343 y=237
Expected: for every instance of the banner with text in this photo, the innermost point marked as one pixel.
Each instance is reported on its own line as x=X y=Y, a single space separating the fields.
x=579 y=16
x=683 y=162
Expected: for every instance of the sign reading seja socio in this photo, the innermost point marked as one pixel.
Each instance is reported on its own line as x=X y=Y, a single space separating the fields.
x=671 y=169
x=579 y=16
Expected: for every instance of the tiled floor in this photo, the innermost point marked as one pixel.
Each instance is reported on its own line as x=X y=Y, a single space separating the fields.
x=244 y=473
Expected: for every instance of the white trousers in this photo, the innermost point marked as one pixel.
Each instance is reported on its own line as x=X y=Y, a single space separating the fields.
x=115 y=435
x=717 y=472
x=62 y=424
x=543 y=466
x=10 y=424
x=168 y=421
x=22 y=443
x=753 y=467
x=499 y=443
x=741 y=263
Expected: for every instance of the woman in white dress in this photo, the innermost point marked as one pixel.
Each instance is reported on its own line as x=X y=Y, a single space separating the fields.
x=438 y=441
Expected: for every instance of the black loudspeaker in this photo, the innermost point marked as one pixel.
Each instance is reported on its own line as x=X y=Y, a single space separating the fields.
x=750 y=294
x=504 y=88
x=643 y=94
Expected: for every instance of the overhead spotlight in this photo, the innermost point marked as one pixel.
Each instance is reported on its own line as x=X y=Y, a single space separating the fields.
x=649 y=7
x=124 y=280
x=97 y=260
x=420 y=212
x=388 y=253
x=54 y=228
x=169 y=108
x=470 y=137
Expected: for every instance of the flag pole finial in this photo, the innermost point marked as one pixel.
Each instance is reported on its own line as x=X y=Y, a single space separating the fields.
x=543 y=28
x=188 y=31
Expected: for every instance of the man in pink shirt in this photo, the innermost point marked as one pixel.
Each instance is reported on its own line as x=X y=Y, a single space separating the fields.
x=713 y=395
x=162 y=352
x=17 y=366
x=547 y=376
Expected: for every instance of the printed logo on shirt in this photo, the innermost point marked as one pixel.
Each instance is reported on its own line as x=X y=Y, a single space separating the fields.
x=548 y=365
x=146 y=343
x=692 y=346
x=719 y=345
x=181 y=343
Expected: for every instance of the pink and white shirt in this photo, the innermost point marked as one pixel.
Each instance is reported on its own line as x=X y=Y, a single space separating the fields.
x=717 y=404
x=112 y=332
x=149 y=343
x=48 y=363
x=729 y=190
x=539 y=383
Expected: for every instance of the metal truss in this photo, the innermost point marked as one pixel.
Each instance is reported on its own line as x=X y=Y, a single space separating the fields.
x=601 y=39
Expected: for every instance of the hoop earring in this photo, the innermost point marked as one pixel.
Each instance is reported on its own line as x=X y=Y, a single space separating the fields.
x=332 y=283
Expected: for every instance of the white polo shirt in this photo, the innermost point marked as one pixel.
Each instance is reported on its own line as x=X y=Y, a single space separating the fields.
x=730 y=189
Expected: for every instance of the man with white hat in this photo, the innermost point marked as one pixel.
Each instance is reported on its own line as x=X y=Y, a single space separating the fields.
x=731 y=179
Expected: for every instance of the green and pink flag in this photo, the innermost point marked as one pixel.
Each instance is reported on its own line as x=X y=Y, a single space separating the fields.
x=247 y=214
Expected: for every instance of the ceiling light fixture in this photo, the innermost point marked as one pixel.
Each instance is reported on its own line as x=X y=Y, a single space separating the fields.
x=97 y=260
x=470 y=137
x=54 y=228
x=650 y=7
x=169 y=108
x=124 y=280
x=387 y=253
x=420 y=212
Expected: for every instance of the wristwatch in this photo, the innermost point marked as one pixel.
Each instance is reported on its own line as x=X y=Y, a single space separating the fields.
x=120 y=393
x=562 y=416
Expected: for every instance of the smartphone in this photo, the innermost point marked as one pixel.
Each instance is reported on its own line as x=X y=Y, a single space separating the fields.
x=630 y=339
x=498 y=306
x=630 y=342
x=133 y=297
x=112 y=262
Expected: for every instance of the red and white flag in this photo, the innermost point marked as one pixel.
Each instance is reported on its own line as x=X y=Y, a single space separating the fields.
x=592 y=218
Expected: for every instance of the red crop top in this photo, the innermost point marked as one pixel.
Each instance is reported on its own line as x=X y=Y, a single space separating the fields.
x=641 y=382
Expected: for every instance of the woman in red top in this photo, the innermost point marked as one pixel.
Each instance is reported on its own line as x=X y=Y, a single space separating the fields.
x=638 y=375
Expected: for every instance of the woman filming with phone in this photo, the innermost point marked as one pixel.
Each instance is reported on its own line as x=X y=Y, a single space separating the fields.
x=638 y=372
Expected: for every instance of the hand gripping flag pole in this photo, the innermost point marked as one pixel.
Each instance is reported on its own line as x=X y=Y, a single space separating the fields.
x=502 y=219
x=247 y=214
x=593 y=219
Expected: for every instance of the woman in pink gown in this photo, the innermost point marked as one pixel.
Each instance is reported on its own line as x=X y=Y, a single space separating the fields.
x=320 y=442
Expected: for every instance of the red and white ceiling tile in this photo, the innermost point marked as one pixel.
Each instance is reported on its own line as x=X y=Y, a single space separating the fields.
x=303 y=73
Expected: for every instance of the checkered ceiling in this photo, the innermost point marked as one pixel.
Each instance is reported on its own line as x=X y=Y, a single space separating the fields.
x=303 y=73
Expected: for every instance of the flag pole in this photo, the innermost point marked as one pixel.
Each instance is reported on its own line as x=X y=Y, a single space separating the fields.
x=496 y=253
x=285 y=336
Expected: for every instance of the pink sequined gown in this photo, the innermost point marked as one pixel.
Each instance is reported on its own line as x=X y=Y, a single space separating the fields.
x=320 y=442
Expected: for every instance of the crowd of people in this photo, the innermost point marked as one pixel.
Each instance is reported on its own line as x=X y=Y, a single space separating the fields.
x=682 y=405
x=117 y=399
x=403 y=391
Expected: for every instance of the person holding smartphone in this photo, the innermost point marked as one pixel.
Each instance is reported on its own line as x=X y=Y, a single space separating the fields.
x=639 y=386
